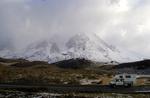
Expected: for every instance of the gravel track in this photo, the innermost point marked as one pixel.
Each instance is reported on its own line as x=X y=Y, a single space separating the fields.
x=77 y=88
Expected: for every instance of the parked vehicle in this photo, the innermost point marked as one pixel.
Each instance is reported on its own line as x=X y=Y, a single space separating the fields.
x=126 y=80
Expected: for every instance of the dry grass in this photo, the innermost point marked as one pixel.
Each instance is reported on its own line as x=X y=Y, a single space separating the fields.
x=25 y=72
x=47 y=74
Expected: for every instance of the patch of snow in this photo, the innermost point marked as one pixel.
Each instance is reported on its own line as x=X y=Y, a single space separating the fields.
x=89 y=81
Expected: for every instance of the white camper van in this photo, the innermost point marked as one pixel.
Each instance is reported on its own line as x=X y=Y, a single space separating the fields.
x=126 y=80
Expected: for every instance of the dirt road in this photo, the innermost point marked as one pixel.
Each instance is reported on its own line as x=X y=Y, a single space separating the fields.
x=77 y=88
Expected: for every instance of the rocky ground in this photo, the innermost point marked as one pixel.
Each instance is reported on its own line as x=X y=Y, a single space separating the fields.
x=72 y=95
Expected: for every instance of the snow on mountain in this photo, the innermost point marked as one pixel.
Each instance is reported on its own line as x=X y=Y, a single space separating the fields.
x=87 y=46
x=94 y=48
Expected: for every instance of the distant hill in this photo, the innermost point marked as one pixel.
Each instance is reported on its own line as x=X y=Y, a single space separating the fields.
x=74 y=63
x=136 y=65
x=71 y=63
x=139 y=67
x=5 y=60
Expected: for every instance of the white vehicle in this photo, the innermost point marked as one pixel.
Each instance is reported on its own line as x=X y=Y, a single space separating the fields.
x=126 y=80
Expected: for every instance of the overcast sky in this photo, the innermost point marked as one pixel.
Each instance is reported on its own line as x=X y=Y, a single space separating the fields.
x=123 y=23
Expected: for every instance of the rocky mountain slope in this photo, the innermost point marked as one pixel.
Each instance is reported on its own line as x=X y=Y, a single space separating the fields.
x=83 y=46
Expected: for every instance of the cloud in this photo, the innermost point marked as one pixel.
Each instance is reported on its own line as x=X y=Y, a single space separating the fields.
x=14 y=1
x=124 y=23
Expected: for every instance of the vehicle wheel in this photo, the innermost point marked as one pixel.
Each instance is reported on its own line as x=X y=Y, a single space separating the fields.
x=113 y=85
x=127 y=85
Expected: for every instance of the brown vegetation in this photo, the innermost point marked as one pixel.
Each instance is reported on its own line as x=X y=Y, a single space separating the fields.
x=36 y=72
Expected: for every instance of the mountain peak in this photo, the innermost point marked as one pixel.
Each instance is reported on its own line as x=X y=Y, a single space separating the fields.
x=78 y=42
x=82 y=45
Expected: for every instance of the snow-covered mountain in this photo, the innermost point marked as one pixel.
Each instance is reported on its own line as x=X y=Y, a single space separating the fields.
x=87 y=46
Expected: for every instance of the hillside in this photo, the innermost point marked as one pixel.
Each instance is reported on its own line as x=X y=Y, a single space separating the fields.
x=73 y=71
x=74 y=63
x=14 y=71
x=87 y=46
x=136 y=65
x=139 y=67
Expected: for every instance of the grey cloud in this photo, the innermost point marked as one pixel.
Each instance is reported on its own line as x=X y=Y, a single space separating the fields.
x=124 y=23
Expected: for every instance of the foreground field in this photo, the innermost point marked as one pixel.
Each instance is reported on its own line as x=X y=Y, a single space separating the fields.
x=25 y=72
x=80 y=71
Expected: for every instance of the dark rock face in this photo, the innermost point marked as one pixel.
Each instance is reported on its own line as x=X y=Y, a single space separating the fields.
x=74 y=63
x=139 y=67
